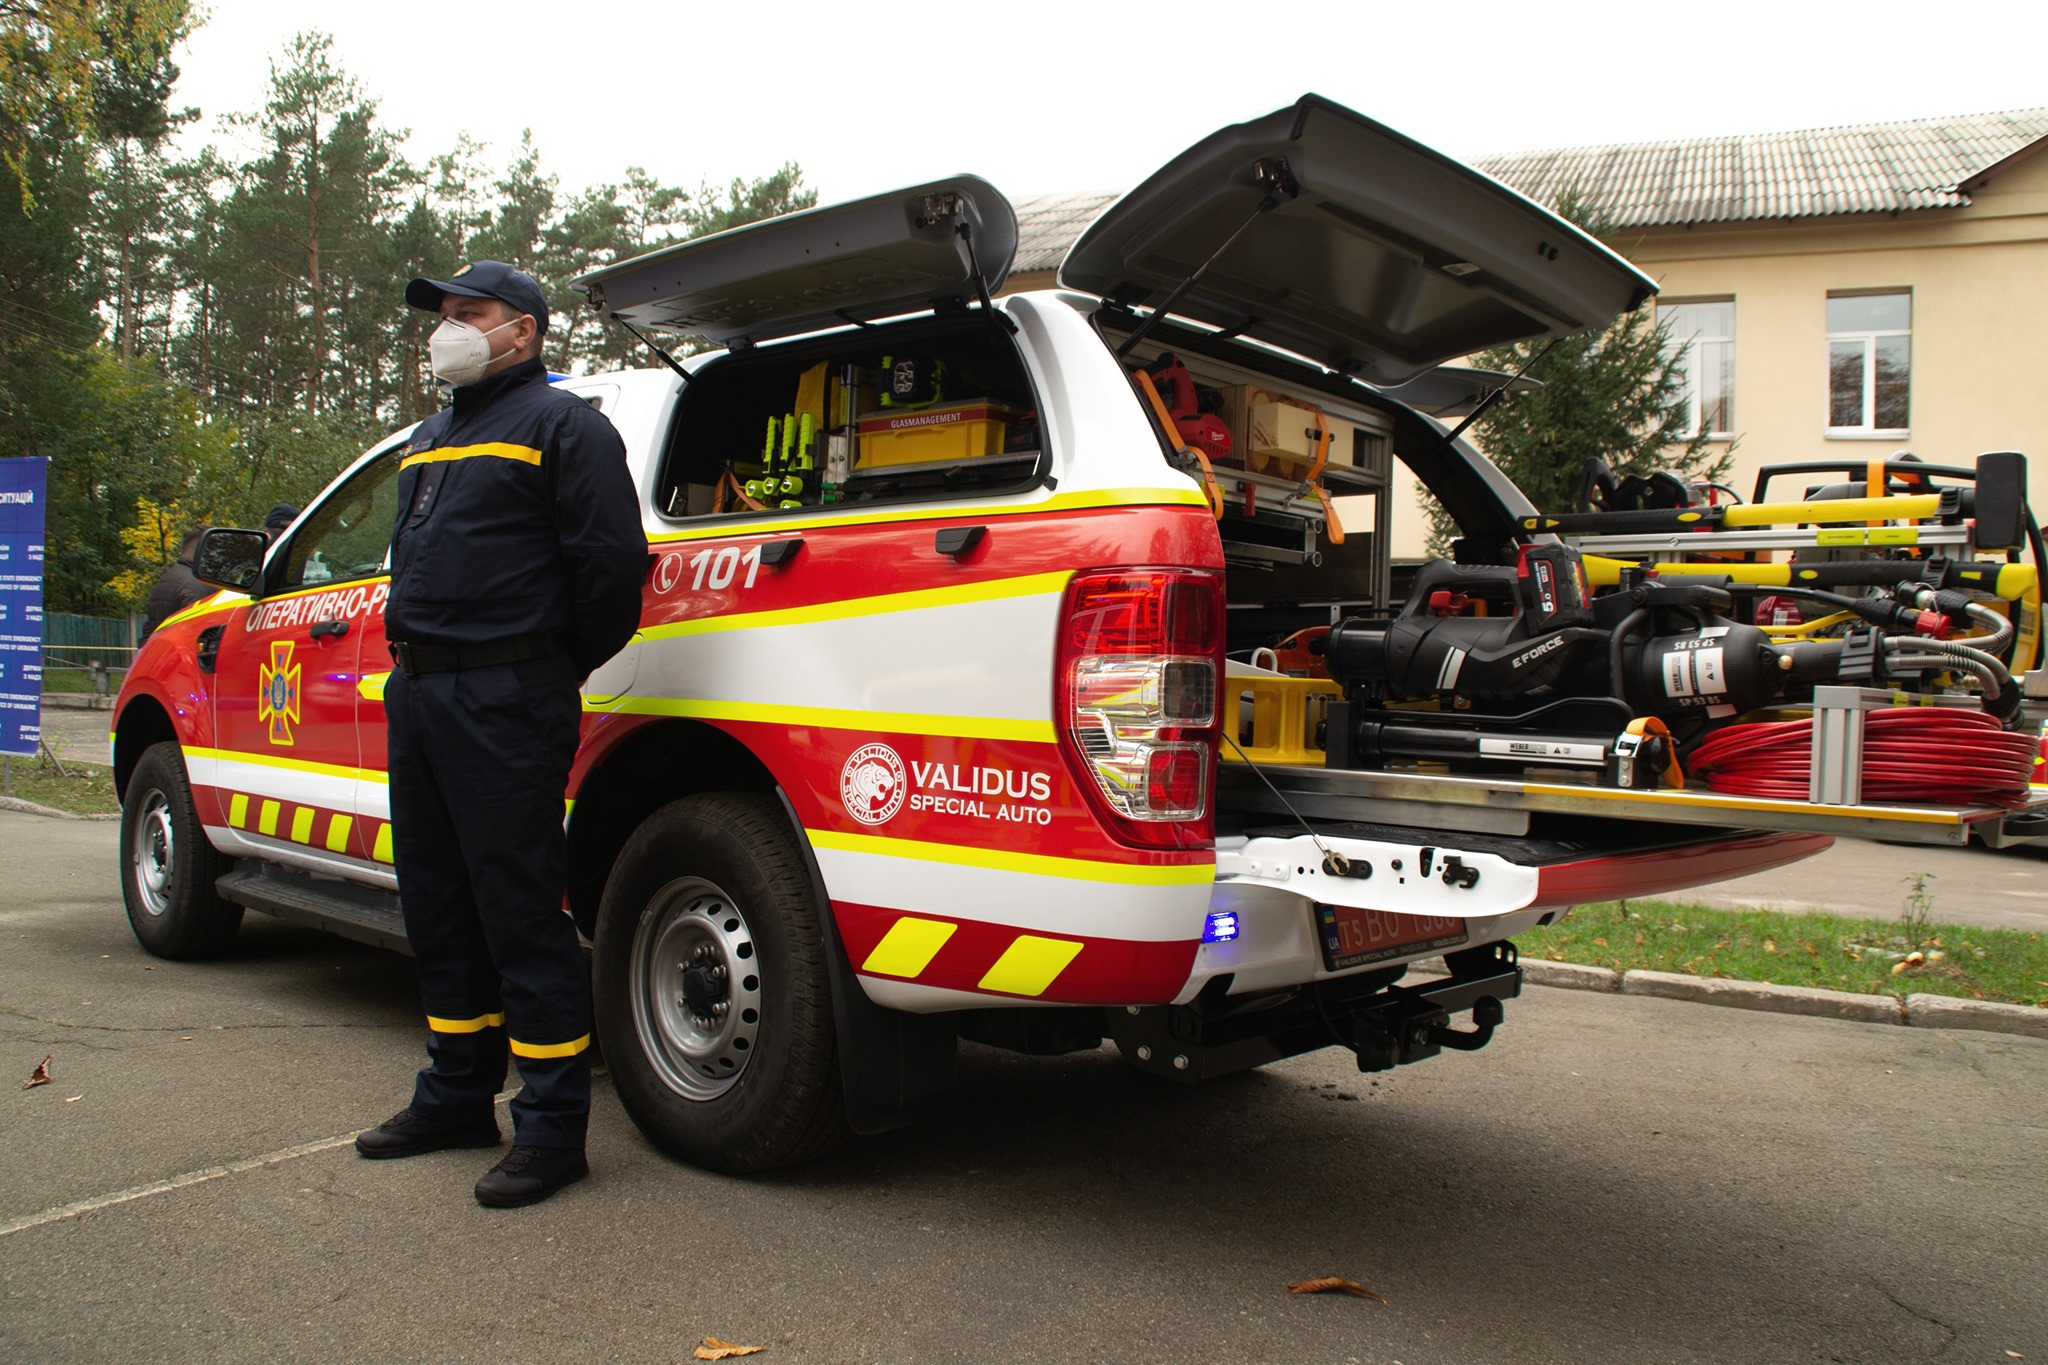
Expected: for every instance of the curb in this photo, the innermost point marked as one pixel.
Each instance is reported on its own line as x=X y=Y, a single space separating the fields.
x=77 y=701
x=1915 y=1011
x=31 y=808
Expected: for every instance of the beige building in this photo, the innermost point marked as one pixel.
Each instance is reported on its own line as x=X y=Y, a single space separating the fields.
x=1842 y=293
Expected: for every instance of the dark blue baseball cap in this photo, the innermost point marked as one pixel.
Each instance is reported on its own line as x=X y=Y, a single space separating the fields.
x=483 y=280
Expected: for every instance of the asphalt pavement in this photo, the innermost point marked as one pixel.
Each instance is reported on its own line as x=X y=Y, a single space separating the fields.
x=1614 y=1179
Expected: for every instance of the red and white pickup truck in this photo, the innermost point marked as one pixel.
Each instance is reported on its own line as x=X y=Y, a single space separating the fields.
x=967 y=726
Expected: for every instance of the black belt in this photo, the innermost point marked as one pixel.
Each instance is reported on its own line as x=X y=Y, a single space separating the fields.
x=415 y=657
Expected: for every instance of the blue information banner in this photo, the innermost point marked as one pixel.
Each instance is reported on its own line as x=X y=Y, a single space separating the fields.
x=23 y=484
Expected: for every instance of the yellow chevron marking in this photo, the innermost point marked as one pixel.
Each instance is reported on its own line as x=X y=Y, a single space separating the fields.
x=302 y=825
x=921 y=599
x=1037 y=864
x=219 y=601
x=476 y=1025
x=503 y=450
x=382 y=851
x=370 y=687
x=724 y=527
x=337 y=833
x=1030 y=964
x=296 y=765
x=568 y=1049
x=238 y=811
x=267 y=821
x=909 y=947
x=885 y=722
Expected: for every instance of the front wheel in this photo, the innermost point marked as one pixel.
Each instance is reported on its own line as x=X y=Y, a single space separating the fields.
x=167 y=866
x=713 y=994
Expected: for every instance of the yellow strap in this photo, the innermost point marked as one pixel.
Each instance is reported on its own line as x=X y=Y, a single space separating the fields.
x=476 y=1025
x=568 y=1049
x=503 y=450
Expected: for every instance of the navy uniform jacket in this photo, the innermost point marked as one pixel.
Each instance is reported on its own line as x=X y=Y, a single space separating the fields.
x=517 y=516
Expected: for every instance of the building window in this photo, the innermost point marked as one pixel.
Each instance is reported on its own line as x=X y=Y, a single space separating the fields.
x=1870 y=351
x=1702 y=336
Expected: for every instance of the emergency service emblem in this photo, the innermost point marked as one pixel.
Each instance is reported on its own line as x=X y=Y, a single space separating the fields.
x=277 y=703
x=873 y=784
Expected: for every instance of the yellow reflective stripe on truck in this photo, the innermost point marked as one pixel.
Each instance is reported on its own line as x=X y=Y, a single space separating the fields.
x=917 y=599
x=1081 y=501
x=825 y=718
x=1035 y=864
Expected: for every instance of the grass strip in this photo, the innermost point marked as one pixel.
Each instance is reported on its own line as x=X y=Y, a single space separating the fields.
x=1914 y=953
x=89 y=790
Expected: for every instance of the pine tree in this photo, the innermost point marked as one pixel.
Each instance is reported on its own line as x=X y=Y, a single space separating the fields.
x=1616 y=396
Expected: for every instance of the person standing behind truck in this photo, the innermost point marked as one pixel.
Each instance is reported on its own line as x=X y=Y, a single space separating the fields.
x=177 y=589
x=516 y=564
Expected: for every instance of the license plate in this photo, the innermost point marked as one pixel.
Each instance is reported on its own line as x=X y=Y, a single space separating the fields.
x=1353 y=937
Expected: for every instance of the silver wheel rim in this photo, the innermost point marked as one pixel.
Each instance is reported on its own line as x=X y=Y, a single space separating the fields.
x=153 y=851
x=696 y=988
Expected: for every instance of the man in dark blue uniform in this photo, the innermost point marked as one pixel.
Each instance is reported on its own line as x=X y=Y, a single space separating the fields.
x=516 y=565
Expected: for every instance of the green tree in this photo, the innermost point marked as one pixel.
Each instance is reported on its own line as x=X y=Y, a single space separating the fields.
x=1616 y=395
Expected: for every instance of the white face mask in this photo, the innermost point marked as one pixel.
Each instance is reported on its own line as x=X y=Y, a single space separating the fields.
x=459 y=352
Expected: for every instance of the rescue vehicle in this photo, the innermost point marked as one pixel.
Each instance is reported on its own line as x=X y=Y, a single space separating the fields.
x=984 y=690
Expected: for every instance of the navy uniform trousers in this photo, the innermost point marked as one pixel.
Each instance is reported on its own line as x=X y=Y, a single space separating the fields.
x=479 y=760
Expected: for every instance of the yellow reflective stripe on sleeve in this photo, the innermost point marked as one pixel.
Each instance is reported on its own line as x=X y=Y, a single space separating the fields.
x=1030 y=964
x=503 y=450
x=337 y=833
x=569 y=1049
x=476 y=1025
x=238 y=811
x=909 y=947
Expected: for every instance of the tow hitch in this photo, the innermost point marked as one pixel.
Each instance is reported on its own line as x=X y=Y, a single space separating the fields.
x=1409 y=1023
x=1385 y=1024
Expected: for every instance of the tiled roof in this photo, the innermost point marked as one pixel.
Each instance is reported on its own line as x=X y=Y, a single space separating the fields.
x=1048 y=224
x=1871 y=168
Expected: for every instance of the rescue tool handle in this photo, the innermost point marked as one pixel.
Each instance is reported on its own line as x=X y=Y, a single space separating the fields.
x=322 y=629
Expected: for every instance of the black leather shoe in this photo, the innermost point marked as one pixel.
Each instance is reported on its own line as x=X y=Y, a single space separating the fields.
x=528 y=1175
x=408 y=1134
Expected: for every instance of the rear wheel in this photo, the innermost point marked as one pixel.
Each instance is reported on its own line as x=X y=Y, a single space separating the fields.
x=713 y=996
x=167 y=866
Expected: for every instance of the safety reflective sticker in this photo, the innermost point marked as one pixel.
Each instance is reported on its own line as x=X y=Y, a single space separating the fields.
x=302 y=825
x=503 y=450
x=476 y=1025
x=238 y=811
x=569 y=1049
x=370 y=687
x=267 y=821
x=382 y=851
x=909 y=947
x=337 y=833
x=1030 y=965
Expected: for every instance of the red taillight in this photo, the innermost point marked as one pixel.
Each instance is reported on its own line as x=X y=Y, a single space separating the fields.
x=1140 y=673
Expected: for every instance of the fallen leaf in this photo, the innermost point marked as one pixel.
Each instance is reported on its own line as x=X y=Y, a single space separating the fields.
x=1330 y=1284
x=73 y=1099
x=714 y=1349
x=41 y=1075
x=1770 y=945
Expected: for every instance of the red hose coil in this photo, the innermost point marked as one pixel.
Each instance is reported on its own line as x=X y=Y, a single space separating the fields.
x=1931 y=754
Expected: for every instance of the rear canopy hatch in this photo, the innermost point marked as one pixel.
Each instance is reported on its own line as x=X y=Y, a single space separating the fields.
x=899 y=252
x=1319 y=231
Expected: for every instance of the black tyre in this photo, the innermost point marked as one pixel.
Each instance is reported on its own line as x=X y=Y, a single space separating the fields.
x=167 y=866
x=714 y=1003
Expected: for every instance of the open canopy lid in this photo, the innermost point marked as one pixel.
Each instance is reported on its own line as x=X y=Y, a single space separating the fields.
x=899 y=252
x=1341 y=240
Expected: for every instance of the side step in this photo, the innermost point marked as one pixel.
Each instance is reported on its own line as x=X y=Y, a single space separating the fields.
x=356 y=912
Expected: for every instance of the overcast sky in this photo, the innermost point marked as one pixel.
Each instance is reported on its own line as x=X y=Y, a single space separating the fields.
x=1053 y=96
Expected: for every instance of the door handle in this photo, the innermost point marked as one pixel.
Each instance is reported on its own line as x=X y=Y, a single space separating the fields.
x=322 y=629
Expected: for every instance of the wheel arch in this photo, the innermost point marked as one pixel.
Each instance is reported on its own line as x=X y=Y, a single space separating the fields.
x=144 y=721
x=641 y=771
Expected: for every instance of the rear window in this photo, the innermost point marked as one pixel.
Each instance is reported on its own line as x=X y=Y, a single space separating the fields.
x=931 y=408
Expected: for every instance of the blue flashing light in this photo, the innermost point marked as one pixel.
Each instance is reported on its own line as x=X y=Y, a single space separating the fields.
x=1221 y=927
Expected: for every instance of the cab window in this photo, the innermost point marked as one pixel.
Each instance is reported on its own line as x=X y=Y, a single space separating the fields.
x=348 y=535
